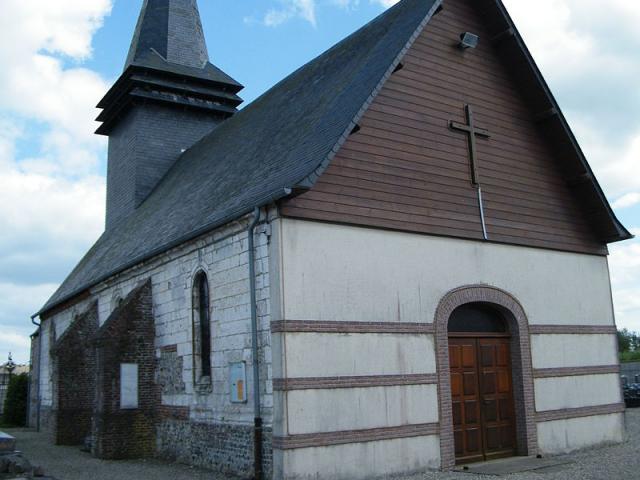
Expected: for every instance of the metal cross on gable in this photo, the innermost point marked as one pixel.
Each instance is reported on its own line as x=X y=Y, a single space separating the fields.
x=472 y=131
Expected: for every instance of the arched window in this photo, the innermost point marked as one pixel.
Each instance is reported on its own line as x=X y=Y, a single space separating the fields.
x=477 y=318
x=201 y=329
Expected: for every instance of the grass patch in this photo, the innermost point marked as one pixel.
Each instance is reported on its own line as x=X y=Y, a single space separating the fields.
x=627 y=357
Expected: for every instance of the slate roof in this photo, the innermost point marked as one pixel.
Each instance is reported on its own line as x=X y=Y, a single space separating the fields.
x=282 y=140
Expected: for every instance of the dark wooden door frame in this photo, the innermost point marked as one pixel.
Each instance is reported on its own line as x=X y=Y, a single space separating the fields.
x=526 y=435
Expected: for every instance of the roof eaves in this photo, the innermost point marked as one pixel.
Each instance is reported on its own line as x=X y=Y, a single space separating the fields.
x=622 y=232
x=273 y=196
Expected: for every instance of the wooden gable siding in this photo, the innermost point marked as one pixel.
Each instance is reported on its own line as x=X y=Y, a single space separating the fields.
x=406 y=170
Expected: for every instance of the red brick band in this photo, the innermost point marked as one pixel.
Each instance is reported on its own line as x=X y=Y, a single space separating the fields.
x=572 y=329
x=313 y=326
x=169 y=348
x=290 y=442
x=568 y=413
x=319 y=383
x=575 y=371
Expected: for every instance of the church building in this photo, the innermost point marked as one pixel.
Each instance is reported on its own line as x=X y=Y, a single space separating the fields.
x=393 y=261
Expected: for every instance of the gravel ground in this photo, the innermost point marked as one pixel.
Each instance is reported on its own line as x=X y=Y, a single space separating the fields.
x=69 y=463
x=617 y=462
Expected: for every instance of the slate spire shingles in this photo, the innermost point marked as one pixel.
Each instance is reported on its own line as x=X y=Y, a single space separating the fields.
x=171 y=29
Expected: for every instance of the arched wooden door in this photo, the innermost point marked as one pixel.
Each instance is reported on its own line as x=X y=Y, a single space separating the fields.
x=481 y=384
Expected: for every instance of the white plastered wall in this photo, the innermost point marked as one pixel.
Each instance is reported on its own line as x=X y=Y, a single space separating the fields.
x=563 y=436
x=334 y=272
x=576 y=392
x=339 y=273
x=560 y=351
x=345 y=461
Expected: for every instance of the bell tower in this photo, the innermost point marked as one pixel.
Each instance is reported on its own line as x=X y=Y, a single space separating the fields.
x=168 y=97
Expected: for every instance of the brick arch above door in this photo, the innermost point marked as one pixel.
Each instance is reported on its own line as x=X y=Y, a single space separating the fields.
x=521 y=362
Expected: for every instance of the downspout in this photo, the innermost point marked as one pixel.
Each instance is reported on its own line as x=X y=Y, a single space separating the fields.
x=33 y=320
x=257 y=428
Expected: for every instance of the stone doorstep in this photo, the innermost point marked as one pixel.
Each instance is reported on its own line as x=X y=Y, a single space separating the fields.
x=512 y=465
x=7 y=443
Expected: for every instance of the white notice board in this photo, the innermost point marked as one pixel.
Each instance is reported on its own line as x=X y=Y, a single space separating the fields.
x=128 y=386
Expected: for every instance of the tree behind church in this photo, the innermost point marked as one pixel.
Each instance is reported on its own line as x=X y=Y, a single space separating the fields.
x=629 y=346
x=15 y=403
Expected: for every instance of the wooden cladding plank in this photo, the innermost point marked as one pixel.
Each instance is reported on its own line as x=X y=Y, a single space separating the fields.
x=373 y=221
x=445 y=210
x=389 y=214
x=510 y=188
x=515 y=137
x=406 y=170
x=364 y=151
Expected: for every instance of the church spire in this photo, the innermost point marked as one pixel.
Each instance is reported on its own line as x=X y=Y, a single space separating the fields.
x=168 y=97
x=172 y=30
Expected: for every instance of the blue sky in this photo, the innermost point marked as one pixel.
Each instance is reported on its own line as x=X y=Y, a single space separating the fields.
x=60 y=57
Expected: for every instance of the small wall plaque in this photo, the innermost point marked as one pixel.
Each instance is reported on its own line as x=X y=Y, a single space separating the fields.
x=238 y=382
x=128 y=386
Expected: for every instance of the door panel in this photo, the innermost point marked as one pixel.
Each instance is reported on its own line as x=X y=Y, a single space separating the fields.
x=482 y=398
x=465 y=394
x=497 y=399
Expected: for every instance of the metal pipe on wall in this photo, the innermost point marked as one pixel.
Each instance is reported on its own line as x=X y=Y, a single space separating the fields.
x=257 y=431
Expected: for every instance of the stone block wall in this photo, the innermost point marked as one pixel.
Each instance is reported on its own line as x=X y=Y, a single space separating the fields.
x=74 y=373
x=221 y=447
x=223 y=256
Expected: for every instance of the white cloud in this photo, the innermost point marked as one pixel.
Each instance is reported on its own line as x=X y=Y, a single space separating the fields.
x=57 y=210
x=628 y=200
x=590 y=60
x=616 y=161
x=305 y=9
x=63 y=26
x=35 y=83
x=346 y=4
x=385 y=3
x=51 y=190
x=15 y=328
x=16 y=340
